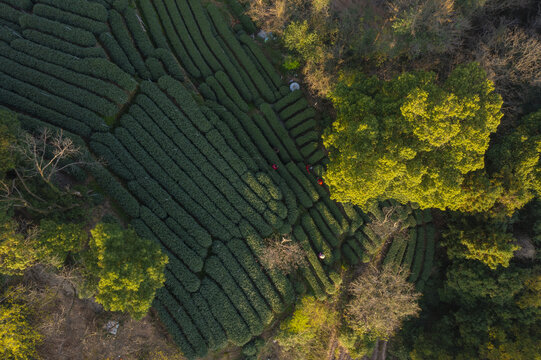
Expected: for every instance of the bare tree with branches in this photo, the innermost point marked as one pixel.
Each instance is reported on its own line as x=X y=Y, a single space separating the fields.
x=282 y=254
x=380 y=301
x=40 y=157
x=389 y=225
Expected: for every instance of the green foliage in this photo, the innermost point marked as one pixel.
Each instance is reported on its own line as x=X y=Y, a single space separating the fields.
x=482 y=241
x=18 y=338
x=124 y=269
x=9 y=128
x=305 y=332
x=431 y=149
x=17 y=250
x=515 y=163
x=55 y=240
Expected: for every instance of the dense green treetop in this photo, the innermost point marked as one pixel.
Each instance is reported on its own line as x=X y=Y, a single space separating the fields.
x=413 y=139
x=123 y=269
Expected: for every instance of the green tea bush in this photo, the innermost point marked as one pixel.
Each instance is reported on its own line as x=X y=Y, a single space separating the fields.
x=233 y=267
x=231 y=90
x=280 y=131
x=173 y=329
x=215 y=269
x=414 y=235
x=183 y=34
x=323 y=227
x=54 y=42
x=317 y=240
x=309 y=149
x=316 y=157
x=72 y=35
x=137 y=32
x=218 y=339
x=80 y=7
x=302 y=128
x=195 y=34
x=222 y=309
x=303 y=180
x=65 y=17
x=176 y=45
x=287 y=100
x=293 y=109
x=308 y=138
x=124 y=38
x=153 y=22
x=199 y=245
x=265 y=64
x=184 y=322
x=155 y=68
x=116 y=53
x=9 y=95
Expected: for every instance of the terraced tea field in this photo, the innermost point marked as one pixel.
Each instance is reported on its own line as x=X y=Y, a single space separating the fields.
x=189 y=117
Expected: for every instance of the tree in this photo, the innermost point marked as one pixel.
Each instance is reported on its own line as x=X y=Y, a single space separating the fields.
x=380 y=301
x=482 y=241
x=18 y=339
x=123 y=270
x=411 y=139
x=283 y=255
x=307 y=332
x=515 y=162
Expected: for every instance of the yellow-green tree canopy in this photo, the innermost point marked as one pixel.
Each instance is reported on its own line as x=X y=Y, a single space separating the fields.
x=124 y=269
x=413 y=139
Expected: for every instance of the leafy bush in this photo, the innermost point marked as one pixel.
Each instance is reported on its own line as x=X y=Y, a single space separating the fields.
x=65 y=17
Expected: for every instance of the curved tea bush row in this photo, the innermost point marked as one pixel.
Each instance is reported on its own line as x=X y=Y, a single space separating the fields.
x=303 y=180
x=199 y=245
x=176 y=45
x=10 y=95
x=239 y=275
x=316 y=238
x=145 y=198
x=287 y=100
x=302 y=238
x=307 y=139
x=173 y=328
x=80 y=7
x=215 y=269
x=72 y=35
x=265 y=63
x=279 y=280
x=152 y=21
x=49 y=101
x=175 y=140
x=95 y=86
x=280 y=131
x=116 y=191
x=183 y=321
x=222 y=309
x=96 y=67
x=123 y=36
x=67 y=17
x=293 y=109
x=116 y=53
x=301 y=117
x=271 y=137
x=323 y=228
x=195 y=34
x=260 y=70
x=183 y=34
x=56 y=43
x=62 y=89
x=419 y=255
x=231 y=91
x=415 y=234
x=302 y=128
x=241 y=56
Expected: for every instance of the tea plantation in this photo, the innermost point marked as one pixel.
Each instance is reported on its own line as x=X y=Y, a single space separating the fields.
x=188 y=117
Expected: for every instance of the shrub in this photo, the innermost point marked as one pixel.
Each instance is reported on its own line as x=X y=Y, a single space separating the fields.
x=155 y=68
x=218 y=339
x=316 y=157
x=281 y=132
x=349 y=254
x=42 y=38
x=153 y=22
x=307 y=139
x=56 y=240
x=429 y=254
x=323 y=227
x=231 y=91
x=207 y=92
x=198 y=245
x=303 y=180
x=309 y=149
x=414 y=235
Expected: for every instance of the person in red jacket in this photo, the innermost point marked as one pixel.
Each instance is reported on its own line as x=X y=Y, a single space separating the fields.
x=275 y=167
x=320 y=181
